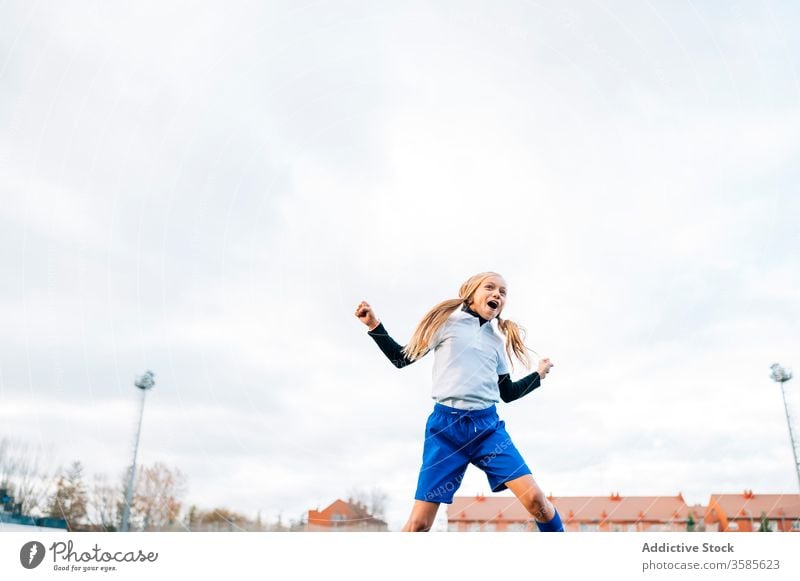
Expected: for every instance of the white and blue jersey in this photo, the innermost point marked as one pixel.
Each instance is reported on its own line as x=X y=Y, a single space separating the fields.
x=469 y=368
x=468 y=359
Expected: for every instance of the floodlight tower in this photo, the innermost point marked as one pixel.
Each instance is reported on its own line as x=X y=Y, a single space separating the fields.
x=782 y=375
x=145 y=383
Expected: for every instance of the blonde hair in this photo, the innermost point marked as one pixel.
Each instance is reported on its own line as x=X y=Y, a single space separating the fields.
x=438 y=315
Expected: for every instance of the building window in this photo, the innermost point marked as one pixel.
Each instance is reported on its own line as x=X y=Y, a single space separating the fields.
x=588 y=527
x=772 y=525
x=796 y=525
x=733 y=526
x=489 y=527
x=474 y=527
x=517 y=527
x=658 y=528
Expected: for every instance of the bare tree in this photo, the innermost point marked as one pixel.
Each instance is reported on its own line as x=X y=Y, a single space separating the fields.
x=374 y=500
x=300 y=523
x=192 y=519
x=157 y=497
x=105 y=503
x=70 y=499
x=22 y=476
x=278 y=526
x=6 y=463
x=217 y=519
x=377 y=502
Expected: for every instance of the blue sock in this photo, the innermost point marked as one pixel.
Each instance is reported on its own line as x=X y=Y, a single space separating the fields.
x=554 y=525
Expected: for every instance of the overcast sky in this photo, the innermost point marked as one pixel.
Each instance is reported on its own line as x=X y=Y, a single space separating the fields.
x=208 y=190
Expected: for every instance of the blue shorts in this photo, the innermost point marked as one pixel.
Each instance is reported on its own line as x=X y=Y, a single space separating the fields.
x=455 y=438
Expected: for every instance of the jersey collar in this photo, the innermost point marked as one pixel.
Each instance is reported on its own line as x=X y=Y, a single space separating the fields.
x=481 y=320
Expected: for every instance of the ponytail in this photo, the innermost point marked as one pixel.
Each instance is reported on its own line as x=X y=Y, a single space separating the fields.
x=515 y=342
x=427 y=328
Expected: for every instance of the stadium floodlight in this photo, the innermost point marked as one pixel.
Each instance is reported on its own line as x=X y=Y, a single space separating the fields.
x=145 y=383
x=782 y=375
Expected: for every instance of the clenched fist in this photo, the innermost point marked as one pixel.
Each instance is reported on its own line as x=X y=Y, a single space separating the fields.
x=544 y=367
x=366 y=315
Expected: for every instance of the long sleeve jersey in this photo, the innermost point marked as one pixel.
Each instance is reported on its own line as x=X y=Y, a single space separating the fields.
x=470 y=370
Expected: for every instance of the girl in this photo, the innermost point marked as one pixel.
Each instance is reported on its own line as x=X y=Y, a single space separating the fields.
x=470 y=376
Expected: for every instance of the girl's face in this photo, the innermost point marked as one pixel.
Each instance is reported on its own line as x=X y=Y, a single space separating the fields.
x=489 y=298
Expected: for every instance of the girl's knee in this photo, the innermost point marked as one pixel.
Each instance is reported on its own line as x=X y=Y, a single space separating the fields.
x=538 y=506
x=418 y=525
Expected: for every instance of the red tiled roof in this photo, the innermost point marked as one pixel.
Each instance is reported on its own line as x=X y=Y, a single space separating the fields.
x=345 y=511
x=581 y=508
x=750 y=505
x=499 y=508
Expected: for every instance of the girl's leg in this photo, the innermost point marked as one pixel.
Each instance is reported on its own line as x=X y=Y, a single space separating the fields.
x=422 y=516
x=532 y=498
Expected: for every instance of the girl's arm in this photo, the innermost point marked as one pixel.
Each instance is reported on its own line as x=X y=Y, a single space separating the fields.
x=389 y=346
x=377 y=331
x=511 y=390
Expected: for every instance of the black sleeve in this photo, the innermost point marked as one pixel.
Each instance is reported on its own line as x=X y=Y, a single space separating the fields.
x=511 y=390
x=389 y=346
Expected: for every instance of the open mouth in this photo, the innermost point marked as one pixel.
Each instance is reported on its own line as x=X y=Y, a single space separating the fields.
x=493 y=304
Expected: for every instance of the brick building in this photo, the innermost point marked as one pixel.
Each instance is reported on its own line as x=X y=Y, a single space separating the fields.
x=341 y=516
x=613 y=513
x=745 y=512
